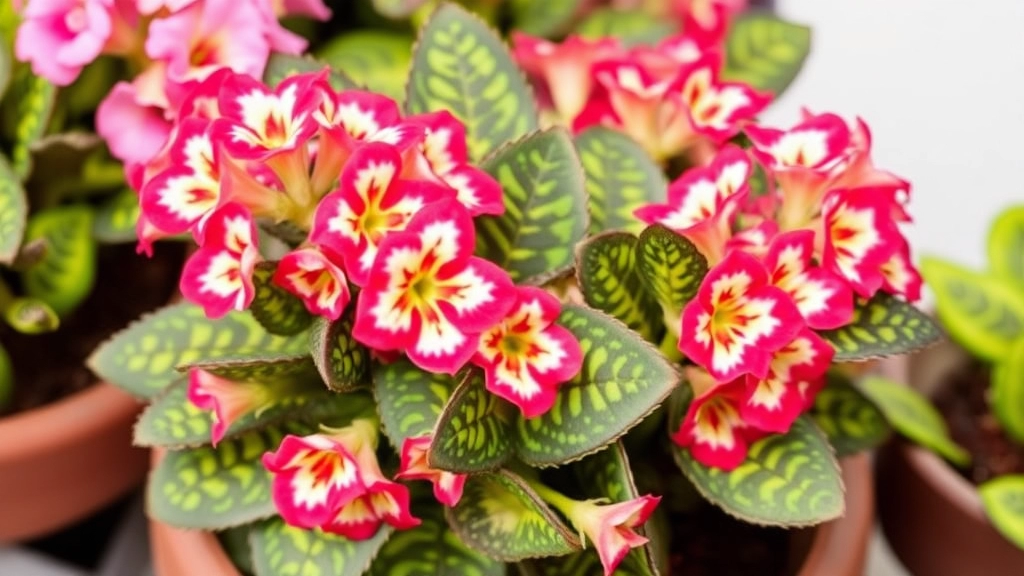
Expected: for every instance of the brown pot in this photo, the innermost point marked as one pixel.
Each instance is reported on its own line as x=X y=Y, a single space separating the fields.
x=838 y=548
x=63 y=461
x=933 y=517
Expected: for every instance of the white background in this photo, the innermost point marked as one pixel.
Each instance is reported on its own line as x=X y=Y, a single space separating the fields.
x=941 y=84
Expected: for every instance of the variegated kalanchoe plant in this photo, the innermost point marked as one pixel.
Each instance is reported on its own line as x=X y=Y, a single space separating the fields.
x=526 y=313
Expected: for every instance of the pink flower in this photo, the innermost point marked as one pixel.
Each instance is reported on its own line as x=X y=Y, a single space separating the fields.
x=447 y=485
x=443 y=158
x=428 y=295
x=860 y=236
x=526 y=356
x=795 y=375
x=310 y=8
x=258 y=123
x=310 y=274
x=313 y=477
x=738 y=319
x=371 y=202
x=229 y=400
x=351 y=118
x=59 y=37
x=713 y=429
x=824 y=299
x=703 y=201
x=383 y=501
x=900 y=276
x=611 y=527
x=133 y=130
x=562 y=72
x=218 y=276
x=205 y=35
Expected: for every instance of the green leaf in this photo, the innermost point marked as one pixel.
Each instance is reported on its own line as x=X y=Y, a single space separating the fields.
x=6 y=379
x=471 y=433
x=276 y=309
x=883 y=326
x=171 y=421
x=623 y=380
x=375 y=59
x=213 y=488
x=502 y=517
x=409 y=399
x=1006 y=245
x=116 y=218
x=13 y=212
x=65 y=276
x=787 y=479
x=431 y=549
x=344 y=364
x=764 y=51
x=1008 y=392
x=670 y=266
x=913 y=416
x=631 y=27
x=607 y=474
x=849 y=419
x=268 y=368
x=462 y=66
x=281 y=66
x=620 y=177
x=143 y=358
x=397 y=9
x=606 y=272
x=31 y=316
x=1003 y=499
x=544 y=19
x=235 y=542
x=35 y=97
x=6 y=62
x=279 y=549
x=983 y=313
x=545 y=207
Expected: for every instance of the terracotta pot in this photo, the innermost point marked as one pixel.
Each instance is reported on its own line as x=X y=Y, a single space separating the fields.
x=63 y=461
x=838 y=548
x=933 y=517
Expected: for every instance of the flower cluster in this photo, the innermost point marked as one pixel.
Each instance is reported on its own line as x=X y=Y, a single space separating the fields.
x=387 y=206
x=786 y=261
x=171 y=43
x=669 y=97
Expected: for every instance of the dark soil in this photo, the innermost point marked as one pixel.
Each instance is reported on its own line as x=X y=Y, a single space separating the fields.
x=964 y=405
x=707 y=542
x=48 y=367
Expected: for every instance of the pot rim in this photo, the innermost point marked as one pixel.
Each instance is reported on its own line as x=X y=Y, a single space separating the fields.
x=80 y=414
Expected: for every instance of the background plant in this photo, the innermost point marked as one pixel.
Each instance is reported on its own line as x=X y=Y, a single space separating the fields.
x=322 y=244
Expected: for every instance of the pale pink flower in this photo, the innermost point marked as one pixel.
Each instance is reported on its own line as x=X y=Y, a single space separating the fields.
x=59 y=37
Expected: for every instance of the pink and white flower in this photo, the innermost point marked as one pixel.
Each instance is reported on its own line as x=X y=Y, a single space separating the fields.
x=428 y=295
x=227 y=399
x=218 y=276
x=443 y=158
x=134 y=130
x=383 y=502
x=860 y=236
x=371 y=202
x=738 y=319
x=313 y=477
x=824 y=299
x=526 y=355
x=562 y=73
x=59 y=37
x=715 y=109
x=713 y=428
x=703 y=201
x=314 y=276
x=795 y=375
x=448 y=486
x=900 y=276
x=611 y=528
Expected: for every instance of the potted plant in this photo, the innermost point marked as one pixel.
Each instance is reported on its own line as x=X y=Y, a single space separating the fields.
x=943 y=519
x=594 y=327
x=70 y=277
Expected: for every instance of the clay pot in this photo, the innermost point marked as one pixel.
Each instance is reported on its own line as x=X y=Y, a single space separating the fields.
x=63 y=461
x=838 y=548
x=933 y=517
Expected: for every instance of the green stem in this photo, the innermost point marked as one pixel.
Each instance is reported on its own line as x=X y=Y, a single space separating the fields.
x=560 y=501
